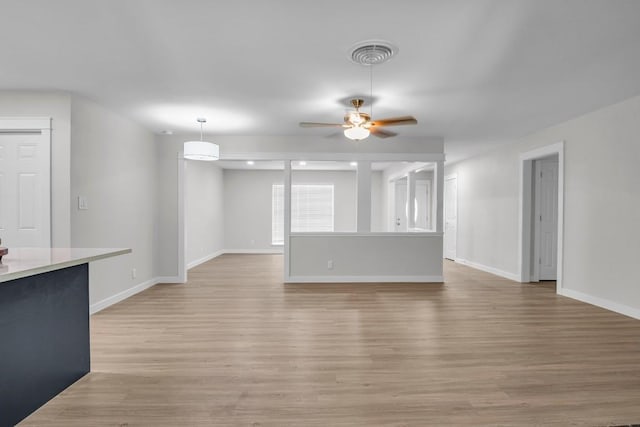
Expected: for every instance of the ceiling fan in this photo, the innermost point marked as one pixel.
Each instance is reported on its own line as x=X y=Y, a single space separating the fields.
x=358 y=125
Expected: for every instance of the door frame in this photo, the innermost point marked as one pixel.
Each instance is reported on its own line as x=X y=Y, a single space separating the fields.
x=444 y=215
x=526 y=207
x=397 y=182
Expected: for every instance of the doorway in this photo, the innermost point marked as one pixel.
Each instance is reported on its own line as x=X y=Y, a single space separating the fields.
x=545 y=219
x=541 y=220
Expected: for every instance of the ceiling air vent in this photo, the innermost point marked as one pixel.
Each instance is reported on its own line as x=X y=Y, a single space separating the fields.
x=372 y=52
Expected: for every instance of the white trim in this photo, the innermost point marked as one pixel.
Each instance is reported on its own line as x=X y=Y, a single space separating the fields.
x=364 y=279
x=402 y=173
x=511 y=276
x=169 y=280
x=524 y=219
x=414 y=157
x=451 y=176
x=368 y=234
x=600 y=302
x=253 y=251
x=287 y=220
x=204 y=259
x=438 y=182
x=182 y=224
x=121 y=296
x=25 y=123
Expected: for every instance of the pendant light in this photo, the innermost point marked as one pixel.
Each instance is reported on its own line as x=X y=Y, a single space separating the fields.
x=201 y=150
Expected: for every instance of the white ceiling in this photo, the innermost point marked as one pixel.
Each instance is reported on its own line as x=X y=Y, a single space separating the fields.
x=476 y=72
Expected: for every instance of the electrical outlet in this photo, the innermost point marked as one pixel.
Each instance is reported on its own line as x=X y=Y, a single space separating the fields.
x=252 y=242
x=330 y=264
x=134 y=273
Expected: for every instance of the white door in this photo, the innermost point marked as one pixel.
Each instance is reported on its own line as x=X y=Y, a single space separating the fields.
x=422 y=205
x=450 y=216
x=546 y=220
x=25 y=206
x=400 y=217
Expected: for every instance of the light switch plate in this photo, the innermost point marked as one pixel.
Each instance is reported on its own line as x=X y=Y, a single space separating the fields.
x=82 y=203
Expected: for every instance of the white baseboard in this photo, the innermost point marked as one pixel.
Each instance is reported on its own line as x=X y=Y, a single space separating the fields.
x=253 y=251
x=487 y=269
x=114 y=299
x=600 y=302
x=204 y=259
x=364 y=279
x=169 y=279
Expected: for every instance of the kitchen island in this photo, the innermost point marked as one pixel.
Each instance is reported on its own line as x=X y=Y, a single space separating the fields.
x=44 y=325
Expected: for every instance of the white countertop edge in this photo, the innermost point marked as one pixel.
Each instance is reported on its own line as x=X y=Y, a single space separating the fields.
x=368 y=234
x=52 y=266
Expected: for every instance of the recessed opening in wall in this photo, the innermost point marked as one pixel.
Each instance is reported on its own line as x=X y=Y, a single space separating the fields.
x=323 y=196
x=403 y=197
x=254 y=204
x=541 y=207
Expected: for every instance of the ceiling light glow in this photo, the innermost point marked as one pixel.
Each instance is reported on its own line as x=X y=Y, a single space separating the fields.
x=180 y=117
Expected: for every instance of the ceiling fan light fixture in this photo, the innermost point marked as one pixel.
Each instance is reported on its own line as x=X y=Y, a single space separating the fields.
x=356 y=118
x=356 y=133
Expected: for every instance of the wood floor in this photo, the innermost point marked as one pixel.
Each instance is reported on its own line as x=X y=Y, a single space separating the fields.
x=236 y=347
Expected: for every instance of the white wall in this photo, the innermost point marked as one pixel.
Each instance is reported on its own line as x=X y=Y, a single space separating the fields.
x=166 y=250
x=602 y=205
x=247 y=208
x=488 y=209
x=204 y=211
x=113 y=164
x=56 y=105
x=383 y=257
x=378 y=203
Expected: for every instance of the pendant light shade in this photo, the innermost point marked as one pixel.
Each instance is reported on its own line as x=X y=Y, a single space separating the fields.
x=201 y=150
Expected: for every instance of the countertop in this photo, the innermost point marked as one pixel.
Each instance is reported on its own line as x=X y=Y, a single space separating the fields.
x=24 y=262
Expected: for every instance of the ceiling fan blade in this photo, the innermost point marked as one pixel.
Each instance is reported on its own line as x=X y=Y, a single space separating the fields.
x=321 y=125
x=395 y=121
x=381 y=133
x=335 y=134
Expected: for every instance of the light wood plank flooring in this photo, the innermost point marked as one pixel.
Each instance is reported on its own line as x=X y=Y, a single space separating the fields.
x=237 y=347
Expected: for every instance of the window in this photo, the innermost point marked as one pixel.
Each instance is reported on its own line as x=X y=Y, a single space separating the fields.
x=311 y=209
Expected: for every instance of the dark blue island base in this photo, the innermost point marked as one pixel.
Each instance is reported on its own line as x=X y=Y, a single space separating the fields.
x=44 y=338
